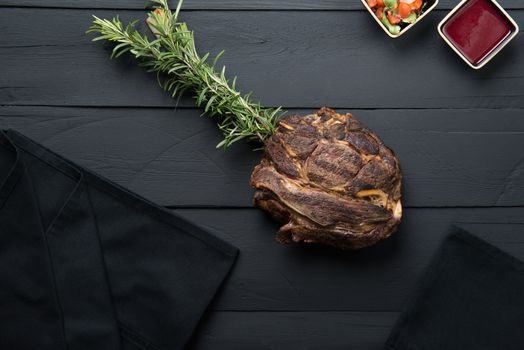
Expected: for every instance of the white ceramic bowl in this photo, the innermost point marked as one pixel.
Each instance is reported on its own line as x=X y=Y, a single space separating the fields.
x=496 y=49
x=432 y=5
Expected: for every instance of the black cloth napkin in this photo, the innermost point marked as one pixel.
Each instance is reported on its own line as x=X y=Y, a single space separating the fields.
x=86 y=264
x=471 y=297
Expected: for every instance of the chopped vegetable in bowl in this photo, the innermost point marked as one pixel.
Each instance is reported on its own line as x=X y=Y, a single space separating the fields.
x=396 y=14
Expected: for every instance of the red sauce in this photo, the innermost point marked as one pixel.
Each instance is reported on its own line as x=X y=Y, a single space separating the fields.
x=476 y=29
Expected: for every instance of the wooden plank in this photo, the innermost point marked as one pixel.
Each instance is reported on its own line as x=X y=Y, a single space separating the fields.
x=290 y=58
x=294 y=330
x=271 y=276
x=449 y=157
x=223 y=4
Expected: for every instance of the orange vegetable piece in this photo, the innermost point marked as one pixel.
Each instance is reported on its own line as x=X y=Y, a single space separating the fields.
x=415 y=5
x=404 y=10
x=372 y=3
x=380 y=3
x=380 y=12
x=393 y=19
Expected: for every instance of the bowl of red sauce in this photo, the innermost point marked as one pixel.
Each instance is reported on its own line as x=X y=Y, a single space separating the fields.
x=477 y=30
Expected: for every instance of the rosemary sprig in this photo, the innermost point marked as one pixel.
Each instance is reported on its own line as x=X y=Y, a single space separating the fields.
x=173 y=56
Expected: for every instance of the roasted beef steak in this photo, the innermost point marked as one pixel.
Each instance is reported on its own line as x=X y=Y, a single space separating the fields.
x=329 y=180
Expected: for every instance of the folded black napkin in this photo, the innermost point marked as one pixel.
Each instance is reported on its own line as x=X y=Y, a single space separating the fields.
x=85 y=264
x=471 y=297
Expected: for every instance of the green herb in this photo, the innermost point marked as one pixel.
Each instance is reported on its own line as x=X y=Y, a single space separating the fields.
x=172 y=55
x=422 y=8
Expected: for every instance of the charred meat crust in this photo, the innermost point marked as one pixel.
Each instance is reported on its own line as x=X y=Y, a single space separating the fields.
x=330 y=180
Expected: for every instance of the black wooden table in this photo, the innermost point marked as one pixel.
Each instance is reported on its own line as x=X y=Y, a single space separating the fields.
x=459 y=134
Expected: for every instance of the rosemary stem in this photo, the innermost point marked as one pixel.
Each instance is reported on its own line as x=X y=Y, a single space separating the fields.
x=173 y=56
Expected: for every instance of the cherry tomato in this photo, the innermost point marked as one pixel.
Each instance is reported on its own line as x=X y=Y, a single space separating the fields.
x=404 y=10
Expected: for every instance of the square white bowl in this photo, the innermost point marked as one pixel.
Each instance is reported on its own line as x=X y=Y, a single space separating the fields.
x=405 y=29
x=495 y=50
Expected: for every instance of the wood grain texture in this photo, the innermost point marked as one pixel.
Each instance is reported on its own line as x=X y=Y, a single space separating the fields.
x=295 y=59
x=224 y=4
x=459 y=134
x=271 y=276
x=292 y=330
x=449 y=157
